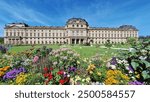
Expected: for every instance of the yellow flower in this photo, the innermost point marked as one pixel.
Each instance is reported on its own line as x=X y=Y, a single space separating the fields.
x=1 y=73
x=72 y=81
x=22 y=78
x=115 y=77
x=83 y=80
x=87 y=79
x=91 y=72
x=99 y=73
x=90 y=68
x=78 y=62
x=137 y=76
x=77 y=78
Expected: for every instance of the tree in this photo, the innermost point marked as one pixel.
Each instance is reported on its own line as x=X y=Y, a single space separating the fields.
x=108 y=44
x=1 y=40
x=132 y=41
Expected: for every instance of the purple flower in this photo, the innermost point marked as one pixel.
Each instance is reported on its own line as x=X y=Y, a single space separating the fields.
x=113 y=61
x=72 y=69
x=13 y=73
x=131 y=68
x=3 y=49
x=135 y=83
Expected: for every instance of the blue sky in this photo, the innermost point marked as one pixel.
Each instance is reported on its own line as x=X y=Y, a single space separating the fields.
x=101 y=13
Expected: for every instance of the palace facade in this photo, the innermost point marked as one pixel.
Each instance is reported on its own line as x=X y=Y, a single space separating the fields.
x=76 y=31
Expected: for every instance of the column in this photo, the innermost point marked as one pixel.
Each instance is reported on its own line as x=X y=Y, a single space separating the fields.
x=75 y=41
x=79 y=41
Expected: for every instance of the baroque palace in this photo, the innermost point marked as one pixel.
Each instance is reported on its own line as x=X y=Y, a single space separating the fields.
x=76 y=31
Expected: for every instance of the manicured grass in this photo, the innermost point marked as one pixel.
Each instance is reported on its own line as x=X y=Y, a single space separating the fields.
x=84 y=51
x=16 y=49
x=88 y=51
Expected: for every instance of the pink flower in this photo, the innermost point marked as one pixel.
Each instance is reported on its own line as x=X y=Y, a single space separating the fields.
x=35 y=59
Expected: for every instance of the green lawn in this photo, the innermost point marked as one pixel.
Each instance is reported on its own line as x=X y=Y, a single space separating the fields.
x=84 y=51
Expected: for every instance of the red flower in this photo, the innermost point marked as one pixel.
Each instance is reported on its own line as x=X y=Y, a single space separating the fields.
x=60 y=72
x=61 y=81
x=50 y=76
x=46 y=75
x=51 y=68
x=66 y=79
x=45 y=69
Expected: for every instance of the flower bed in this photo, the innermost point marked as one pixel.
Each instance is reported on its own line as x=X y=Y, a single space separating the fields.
x=64 y=66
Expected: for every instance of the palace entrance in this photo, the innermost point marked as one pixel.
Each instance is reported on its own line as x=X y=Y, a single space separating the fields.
x=77 y=41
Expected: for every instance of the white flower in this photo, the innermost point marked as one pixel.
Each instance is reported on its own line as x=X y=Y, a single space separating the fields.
x=119 y=61
x=142 y=58
x=130 y=71
x=112 y=66
x=124 y=61
x=68 y=75
x=126 y=64
x=54 y=63
x=127 y=67
x=133 y=78
x=108 y=65
x=97 y=83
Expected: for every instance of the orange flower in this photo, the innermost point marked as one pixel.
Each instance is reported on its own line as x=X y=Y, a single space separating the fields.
x=2 y=70
x=6 y=68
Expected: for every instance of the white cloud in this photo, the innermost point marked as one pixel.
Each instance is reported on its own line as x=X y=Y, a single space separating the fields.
x=23 y=12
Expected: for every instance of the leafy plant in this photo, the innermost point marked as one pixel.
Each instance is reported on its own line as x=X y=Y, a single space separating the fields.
x=138 y=60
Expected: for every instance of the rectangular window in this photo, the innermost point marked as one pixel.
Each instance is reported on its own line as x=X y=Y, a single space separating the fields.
x=45 y=34
x=10 y=33
x=6 y=33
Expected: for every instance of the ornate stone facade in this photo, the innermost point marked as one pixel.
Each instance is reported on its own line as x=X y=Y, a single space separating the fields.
x=76 y=31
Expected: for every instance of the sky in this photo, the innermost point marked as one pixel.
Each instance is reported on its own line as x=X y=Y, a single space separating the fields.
x=98 y=13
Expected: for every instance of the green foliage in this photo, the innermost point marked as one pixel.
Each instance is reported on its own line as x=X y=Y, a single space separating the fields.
x=108 y=44
x=99 y=74
x=1 y=40
x=132 y=41
x=138 y=58
x=35 y=79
